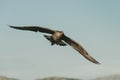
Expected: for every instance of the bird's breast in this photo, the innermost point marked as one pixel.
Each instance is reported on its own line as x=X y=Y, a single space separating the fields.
x=57 y=36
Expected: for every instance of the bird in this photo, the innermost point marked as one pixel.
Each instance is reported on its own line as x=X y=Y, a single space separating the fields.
x=59 y=38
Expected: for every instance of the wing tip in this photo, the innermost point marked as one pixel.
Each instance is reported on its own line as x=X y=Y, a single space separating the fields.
x=90 y=58
x=11 y=26
x=96 y=62
x=16 y=27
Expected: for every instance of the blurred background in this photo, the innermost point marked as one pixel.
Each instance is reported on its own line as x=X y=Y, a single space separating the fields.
x=28 y=55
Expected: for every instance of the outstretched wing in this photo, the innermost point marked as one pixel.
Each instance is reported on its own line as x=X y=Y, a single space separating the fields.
x=34 y=28
x=80 y=49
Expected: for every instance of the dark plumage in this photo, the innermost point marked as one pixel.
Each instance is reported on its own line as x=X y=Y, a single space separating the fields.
x=59 y=38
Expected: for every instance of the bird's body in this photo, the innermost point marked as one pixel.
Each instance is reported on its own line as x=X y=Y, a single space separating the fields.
x=56 y=38
x=57 y=35
x=59 y=38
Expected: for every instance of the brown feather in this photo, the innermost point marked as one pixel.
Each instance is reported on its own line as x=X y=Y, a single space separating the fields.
x=80 y=49
x=35 y=29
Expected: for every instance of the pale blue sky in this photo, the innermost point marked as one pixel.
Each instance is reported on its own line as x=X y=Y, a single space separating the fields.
x=27 y=55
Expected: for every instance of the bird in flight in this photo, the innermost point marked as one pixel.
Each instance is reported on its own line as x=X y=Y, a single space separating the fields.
x=59 y=38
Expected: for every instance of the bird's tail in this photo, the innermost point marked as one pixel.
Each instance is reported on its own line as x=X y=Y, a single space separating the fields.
x=49 y=38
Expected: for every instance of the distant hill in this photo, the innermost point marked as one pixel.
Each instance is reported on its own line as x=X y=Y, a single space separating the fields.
x=58 y=78
x=112 y=77
x=6 y=78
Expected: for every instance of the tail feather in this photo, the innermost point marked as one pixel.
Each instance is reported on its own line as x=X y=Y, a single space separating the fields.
x=49 y=39
x=61 y=43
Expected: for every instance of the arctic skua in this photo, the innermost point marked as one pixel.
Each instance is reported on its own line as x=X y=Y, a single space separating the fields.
x=59 y=38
